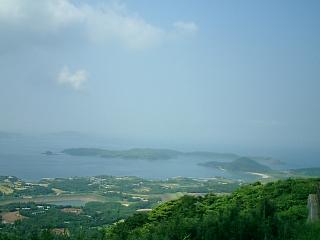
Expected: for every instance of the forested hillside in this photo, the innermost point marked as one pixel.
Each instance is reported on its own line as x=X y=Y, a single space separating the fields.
x=273 y=211
x=277 y=210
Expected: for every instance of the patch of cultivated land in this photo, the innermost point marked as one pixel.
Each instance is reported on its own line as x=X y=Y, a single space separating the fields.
x=132 y=192
x=11 y=217
x=54 y=198
x=5 y=190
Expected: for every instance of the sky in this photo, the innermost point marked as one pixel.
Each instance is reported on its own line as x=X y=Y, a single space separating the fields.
x=195 y=72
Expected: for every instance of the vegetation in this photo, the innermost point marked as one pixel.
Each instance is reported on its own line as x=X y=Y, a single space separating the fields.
x=240 y=165
x=276 y=210
x=272 y=211
x=163 y=154
x=120 y=188
x=147 y=154
x=143 y=153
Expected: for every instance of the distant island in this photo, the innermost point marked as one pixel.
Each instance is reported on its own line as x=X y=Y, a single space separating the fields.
x=49 y=153
x=242 y=164
x=146 y=153
x=136 y=153
x=162 y=154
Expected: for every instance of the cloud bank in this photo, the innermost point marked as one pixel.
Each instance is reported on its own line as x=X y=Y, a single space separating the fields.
x=104 y=23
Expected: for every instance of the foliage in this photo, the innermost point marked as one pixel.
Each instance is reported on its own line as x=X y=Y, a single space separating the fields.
x=273 y=211
x=243 y=164
x=136 y=153
x=147 y=154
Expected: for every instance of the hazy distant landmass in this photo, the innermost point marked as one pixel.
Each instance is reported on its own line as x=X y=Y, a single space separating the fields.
x=213 y=155
x=267 y=160
x=49 y=153
x=146 y=153
x=136 y=153
x=311 y=172
x=163 y=154
x=243 y=164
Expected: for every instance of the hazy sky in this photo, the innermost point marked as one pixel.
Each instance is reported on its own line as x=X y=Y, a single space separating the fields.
x=190 y=71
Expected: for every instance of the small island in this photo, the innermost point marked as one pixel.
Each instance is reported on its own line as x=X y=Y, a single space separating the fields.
x=49 y=153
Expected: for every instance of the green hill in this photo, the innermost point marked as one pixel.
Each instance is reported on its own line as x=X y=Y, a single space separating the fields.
x=164 y=154
x=146 y=153
x=135 y=153
x=276 y=210
x=240 y=165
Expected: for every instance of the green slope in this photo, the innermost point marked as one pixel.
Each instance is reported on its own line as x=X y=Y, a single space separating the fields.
x=273 y=211
x=241 y=165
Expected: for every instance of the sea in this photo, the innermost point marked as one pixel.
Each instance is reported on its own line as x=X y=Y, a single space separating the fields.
x=24 y=158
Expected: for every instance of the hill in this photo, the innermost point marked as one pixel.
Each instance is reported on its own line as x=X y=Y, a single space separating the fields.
x=164 y=154
x=136 y=153
x=240 y=165
x=147 y=154
x=276 y=210
x=273 y=211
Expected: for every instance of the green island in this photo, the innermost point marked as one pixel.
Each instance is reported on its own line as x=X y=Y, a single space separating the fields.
x=241 y=164
x=161 y=154
x=136 y=153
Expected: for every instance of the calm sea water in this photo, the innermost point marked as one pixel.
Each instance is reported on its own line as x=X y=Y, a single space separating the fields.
x=22 y=157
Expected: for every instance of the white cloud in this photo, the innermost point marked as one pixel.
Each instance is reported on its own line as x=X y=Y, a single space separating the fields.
x=42 y=16
x=99 y=23
x=115 y=23
x=185 y=27
x=74 y=80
